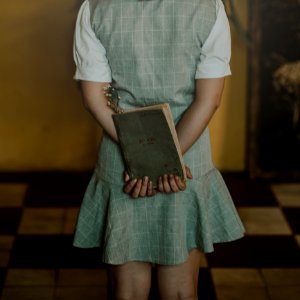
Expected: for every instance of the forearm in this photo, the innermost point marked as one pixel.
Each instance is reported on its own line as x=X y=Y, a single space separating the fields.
x=95 y=102
x=193 y=123
x=197 y=116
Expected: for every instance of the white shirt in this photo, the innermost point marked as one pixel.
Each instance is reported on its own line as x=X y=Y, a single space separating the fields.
x=92 y=64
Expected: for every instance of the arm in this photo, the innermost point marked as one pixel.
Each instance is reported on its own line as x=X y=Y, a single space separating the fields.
x=94 y=73
x=207 y=99
x=95 y=102
x=211 y=70
x=93 y=70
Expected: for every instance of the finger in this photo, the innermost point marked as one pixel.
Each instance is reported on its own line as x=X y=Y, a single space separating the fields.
x=160 y=184
x=167 y=188
x=188 y=172
x=180 y=183
x=173 y=184
x=150 y=191
x=136 y=190
x=126 y=176
x=144 y=187
x=130 y=185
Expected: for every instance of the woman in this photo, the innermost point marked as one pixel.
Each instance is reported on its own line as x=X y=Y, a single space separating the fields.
x=153 y=52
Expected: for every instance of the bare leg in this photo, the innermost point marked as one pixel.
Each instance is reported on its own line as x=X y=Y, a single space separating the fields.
x=179 y=281
x=130 y=281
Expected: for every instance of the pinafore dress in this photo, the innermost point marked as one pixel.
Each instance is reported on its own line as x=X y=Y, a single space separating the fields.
x=153 y=48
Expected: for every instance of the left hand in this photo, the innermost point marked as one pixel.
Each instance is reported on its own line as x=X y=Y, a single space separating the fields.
x=173 y=184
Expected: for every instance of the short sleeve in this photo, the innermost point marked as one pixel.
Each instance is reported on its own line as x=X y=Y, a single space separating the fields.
x=216 y=51
x=89 y=54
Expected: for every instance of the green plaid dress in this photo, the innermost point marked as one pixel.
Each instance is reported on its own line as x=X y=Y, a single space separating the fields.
x=153 y=48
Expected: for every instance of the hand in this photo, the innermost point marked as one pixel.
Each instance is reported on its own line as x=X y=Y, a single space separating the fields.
x=171 y=183
x=138 y=187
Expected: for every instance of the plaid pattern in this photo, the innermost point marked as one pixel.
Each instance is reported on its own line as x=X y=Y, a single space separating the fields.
x=161 y=229
x=146 y=44
x=153 y=47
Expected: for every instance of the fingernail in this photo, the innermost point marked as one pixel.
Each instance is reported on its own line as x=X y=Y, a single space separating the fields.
x=145 y=178
x=176 y=177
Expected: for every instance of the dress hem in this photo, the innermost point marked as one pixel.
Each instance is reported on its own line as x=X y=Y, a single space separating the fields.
x=159 y=262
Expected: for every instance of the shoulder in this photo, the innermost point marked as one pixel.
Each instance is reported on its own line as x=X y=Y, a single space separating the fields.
x=97 y=3
x=220 y=9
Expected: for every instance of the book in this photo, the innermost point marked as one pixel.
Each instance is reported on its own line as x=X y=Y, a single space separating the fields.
x=149 y=142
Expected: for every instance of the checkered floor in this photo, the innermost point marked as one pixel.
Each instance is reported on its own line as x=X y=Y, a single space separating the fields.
x=37 y=260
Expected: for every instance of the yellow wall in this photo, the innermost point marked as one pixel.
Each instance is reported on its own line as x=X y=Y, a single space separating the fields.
x=228 y=127
x=43 y=125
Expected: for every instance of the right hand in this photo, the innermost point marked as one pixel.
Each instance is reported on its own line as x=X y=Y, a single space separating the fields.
x=173 y=184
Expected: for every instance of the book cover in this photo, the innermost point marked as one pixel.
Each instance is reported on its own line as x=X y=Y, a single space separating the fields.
x=149 y=142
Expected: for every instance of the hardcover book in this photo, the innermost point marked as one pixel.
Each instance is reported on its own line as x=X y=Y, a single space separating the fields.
x=149 y=142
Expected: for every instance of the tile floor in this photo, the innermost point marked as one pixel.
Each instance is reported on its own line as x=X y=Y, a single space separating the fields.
x=37 y=260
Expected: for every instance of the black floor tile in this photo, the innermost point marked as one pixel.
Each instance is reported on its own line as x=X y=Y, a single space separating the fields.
x=35 y=251
x=206 y=290
x=247 y=192
x=52 y=251
x=2 y=277
x=73 y=257
x=257 y=252
x=9 y=220
x=58 y=196
x=154 y=294
x=56 y=189
x=292 y=214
